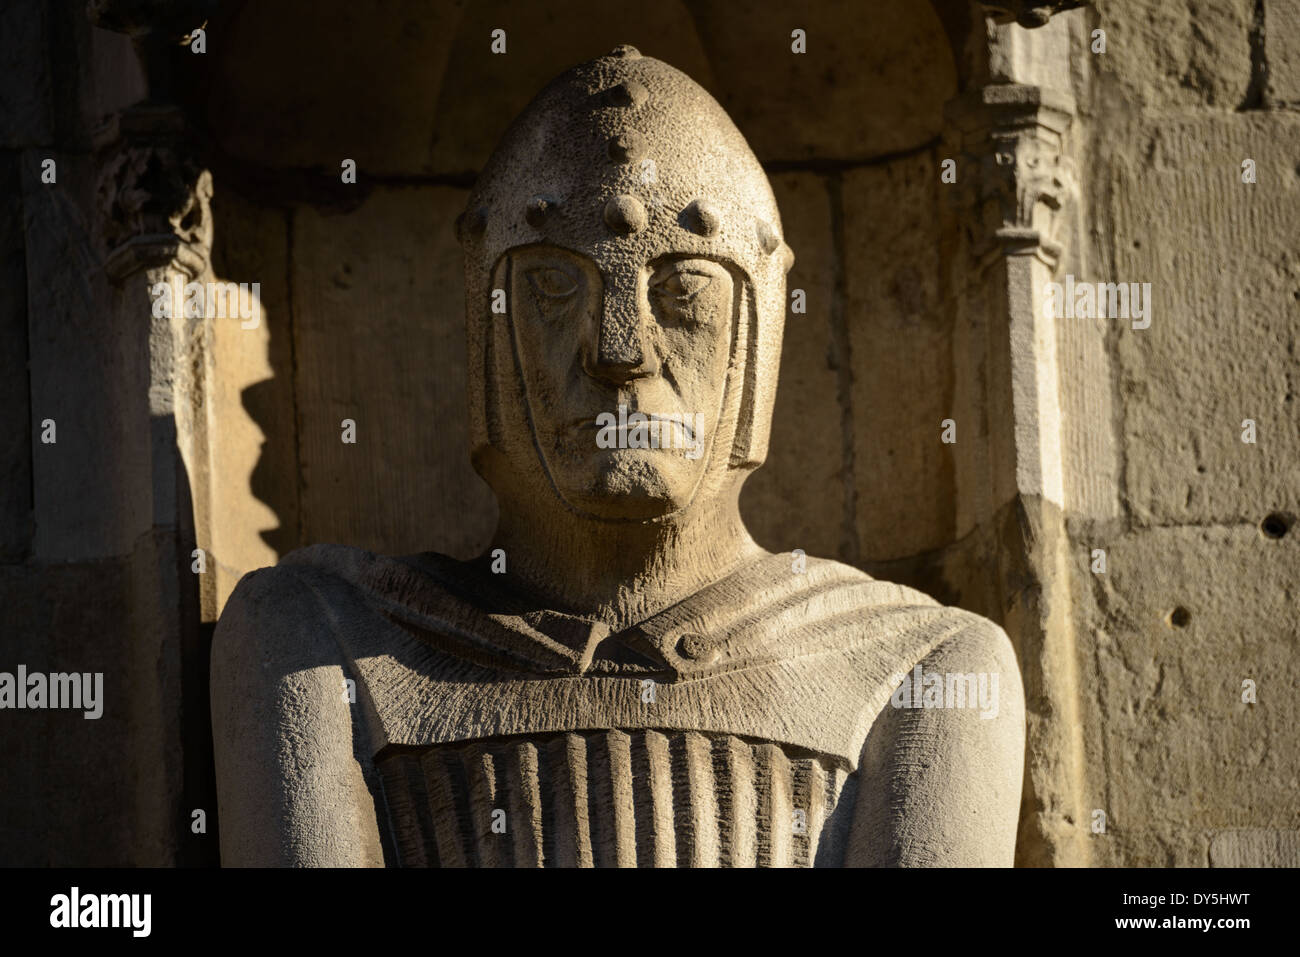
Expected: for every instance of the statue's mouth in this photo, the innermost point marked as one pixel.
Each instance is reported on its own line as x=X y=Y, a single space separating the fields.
x=686 y=421
x=643 y=431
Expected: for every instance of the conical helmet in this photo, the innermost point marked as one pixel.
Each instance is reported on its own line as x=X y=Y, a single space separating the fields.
x=625 y=159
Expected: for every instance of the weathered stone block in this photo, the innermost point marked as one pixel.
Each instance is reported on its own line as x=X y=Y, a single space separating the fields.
x=69 y=798
x=1181 y=619
x=252 y=439
x=26 y=108
x=89 y=373
x=900 y=346
x=1175 y=52
x=1255 y=847
x=1221 y=347
x=328 y=107
x=15 y=406
x=826 y=104
x=1282 y=54
x=483 y=90
x=797 y=500
x=360 y=281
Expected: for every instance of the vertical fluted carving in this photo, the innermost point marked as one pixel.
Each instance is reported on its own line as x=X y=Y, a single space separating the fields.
x=614 y=799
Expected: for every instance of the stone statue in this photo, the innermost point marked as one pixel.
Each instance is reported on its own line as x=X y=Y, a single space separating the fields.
x=625 y=677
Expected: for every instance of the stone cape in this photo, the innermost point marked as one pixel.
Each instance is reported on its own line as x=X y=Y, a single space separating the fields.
x=692 y=738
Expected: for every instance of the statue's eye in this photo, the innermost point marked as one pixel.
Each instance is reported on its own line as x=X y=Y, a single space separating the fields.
x=551 y=283
x=684 y=285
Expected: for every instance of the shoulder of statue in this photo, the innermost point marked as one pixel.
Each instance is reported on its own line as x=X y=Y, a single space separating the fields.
x=829 y=608
x=876 y=591
x=949 y=740
x=286 y=592
x=973 y=643
x=284 y=683
x=823 y=595
x=337 y=574
x=788 y=606
x=275 y=615
x=344 y=563
x=294 y=609
x=353 y=597
x=854 y=598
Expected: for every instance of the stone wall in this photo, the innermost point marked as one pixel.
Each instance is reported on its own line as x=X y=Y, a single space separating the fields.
x=1203 y=561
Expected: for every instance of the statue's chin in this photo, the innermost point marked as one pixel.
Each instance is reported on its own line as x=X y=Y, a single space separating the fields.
x=630 y=485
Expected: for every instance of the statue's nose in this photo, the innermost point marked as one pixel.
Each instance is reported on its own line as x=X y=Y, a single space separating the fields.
x=622 y=351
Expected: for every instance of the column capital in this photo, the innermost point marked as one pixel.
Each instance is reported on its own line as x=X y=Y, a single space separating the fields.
x=154 y=195
x=1015 y=177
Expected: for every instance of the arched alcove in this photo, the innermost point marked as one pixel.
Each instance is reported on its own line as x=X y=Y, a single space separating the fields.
x=361 y=283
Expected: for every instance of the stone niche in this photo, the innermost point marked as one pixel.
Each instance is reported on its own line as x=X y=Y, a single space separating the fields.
x=339 y=414
x=903 y=318
x=360 y=284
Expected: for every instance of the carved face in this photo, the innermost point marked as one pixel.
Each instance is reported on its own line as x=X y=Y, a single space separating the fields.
x=625 y=371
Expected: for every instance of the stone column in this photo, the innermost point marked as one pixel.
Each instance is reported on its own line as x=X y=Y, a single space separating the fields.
x=156 y=231
x=1010 y=206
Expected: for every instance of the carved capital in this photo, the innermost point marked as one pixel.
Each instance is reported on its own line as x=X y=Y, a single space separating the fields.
x=1028 y=13
x=154 y=195
x=1015 y=179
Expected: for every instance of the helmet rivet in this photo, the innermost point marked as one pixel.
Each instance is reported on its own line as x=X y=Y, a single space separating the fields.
x=629 y=93
x=702 y=217
x=767 y=238
x=471 y=223
x=627 y=147
x=539 y=207
x=625 y=214
x=626 y=51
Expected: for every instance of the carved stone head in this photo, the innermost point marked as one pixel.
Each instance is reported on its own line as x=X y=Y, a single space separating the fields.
x=625 y=289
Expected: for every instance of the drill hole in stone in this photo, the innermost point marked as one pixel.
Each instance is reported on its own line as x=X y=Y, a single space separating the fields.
x=1180 y=617
x=1275 y=525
